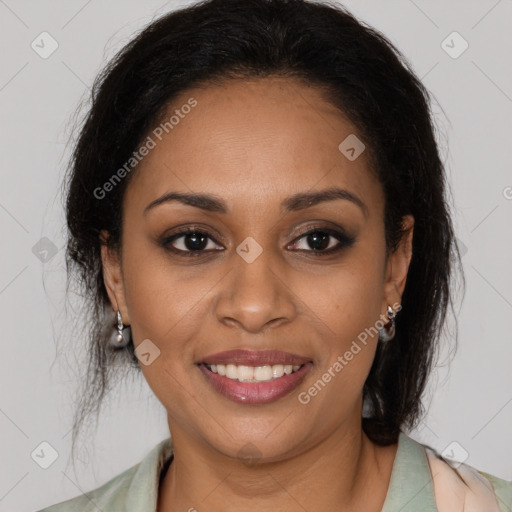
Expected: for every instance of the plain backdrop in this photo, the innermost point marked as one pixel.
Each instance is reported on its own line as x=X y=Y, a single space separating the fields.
x=470 y=399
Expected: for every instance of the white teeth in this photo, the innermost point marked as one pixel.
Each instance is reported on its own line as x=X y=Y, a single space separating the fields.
x=278 y=370
x=245 y=373
x=262 y=373
x=231 y=371
x=253 y=373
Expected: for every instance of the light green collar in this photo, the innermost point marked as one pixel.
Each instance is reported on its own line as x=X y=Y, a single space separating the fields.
x=410 y=488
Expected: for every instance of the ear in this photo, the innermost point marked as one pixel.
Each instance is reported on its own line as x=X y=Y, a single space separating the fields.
x=397 y=267
x=113 y=277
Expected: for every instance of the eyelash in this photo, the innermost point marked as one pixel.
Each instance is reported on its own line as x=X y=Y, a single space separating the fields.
x=343 y=239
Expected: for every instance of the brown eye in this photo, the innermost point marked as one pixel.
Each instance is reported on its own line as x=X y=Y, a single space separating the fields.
x=322 y=241
x=190 y=241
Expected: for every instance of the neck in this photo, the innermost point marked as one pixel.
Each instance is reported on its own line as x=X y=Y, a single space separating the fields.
x=346 y=470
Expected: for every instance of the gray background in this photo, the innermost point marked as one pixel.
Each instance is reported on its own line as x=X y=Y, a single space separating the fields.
x=470 y=399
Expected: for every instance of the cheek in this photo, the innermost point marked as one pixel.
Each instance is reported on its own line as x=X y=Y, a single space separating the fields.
x=165 y=307
x=347 y=299
x=347 y=306
x=163 y=298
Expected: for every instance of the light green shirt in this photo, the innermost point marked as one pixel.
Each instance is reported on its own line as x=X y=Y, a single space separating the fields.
x=411 y=486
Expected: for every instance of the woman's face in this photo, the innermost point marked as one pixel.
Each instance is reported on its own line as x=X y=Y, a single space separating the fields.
x=252 y=279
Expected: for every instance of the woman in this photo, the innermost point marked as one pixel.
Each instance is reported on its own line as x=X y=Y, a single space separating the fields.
x=257 y=195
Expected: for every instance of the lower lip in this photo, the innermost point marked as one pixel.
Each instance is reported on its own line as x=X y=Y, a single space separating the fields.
x=255 y=392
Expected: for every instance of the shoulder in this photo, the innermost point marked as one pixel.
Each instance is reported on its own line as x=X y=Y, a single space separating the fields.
x=460 y=487
x=134 y=489
x=106 y=497
x=503 y=490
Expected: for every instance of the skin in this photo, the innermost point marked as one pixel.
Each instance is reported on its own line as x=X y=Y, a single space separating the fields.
x=252 y=144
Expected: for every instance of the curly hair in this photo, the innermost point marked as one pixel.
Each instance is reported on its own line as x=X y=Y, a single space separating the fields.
x=362 y=74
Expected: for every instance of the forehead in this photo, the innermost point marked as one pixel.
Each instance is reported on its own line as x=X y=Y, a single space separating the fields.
x=250 y=142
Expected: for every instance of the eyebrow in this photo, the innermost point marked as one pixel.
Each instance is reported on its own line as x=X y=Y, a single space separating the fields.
x=296 y=202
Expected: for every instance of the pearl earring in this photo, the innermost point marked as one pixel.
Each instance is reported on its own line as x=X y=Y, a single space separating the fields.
x=387 y=333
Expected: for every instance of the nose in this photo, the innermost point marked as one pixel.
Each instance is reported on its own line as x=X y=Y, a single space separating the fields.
x=255 y=295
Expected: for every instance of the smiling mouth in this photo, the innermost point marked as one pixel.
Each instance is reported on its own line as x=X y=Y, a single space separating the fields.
x=254 y=376
x=242 y=373
x=254 y=384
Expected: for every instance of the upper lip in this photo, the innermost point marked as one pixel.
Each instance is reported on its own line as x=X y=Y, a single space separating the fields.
x=254 y=358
